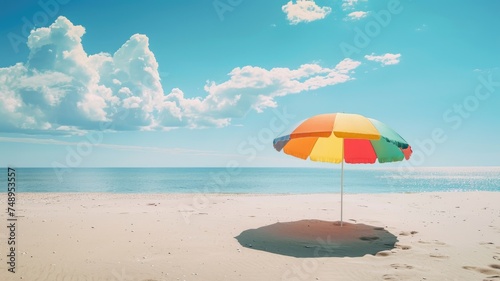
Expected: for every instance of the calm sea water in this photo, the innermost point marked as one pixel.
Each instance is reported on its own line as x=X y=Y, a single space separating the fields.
x=254 y=180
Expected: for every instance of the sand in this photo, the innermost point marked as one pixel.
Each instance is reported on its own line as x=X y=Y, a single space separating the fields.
x=127 y=237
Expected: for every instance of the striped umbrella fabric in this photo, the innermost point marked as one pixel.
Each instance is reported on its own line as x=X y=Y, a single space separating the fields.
x=343 y=137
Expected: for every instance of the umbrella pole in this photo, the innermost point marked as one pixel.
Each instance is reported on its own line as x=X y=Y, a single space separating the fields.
x=342 y=194
x=342 y=190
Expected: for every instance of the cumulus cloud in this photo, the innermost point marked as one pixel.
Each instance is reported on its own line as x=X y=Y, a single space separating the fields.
x=357 y=15
x=61 y=89
x=304 y=11
x=386 y=59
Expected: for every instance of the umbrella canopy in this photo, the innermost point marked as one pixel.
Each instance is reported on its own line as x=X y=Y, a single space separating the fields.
x=339 y=137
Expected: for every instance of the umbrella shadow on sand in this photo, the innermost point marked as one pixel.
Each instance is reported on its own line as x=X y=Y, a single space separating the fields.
x=316 y=238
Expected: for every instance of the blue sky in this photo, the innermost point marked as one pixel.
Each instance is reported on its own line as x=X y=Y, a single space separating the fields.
x=210 y=83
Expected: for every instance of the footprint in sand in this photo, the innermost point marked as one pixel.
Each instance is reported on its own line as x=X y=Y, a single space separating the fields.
x=392 y=277
x=407 y=233
x=383 y=253
x=402 y=247
x=482 y=270
x=435 y=242
x=400 y=265
x=492 y=278
x=438 y=256
x=495 y=266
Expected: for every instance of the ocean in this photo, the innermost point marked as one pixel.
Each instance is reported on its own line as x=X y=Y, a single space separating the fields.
x=254 y=180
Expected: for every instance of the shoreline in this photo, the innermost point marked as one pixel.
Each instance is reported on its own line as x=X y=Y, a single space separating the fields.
x=124 y=236
x=256 y=194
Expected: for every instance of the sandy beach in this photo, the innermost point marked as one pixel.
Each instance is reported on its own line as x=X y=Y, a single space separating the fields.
x=129 y=237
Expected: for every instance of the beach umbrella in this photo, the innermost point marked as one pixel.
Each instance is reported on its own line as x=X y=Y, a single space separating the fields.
x=343 y=137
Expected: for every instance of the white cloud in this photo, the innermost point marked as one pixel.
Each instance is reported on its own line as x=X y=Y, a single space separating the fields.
x=256 y=87
x=349 y=4
x=132 y=102
x=61 y=89
x=304 y=11
x=357 y=15
x=386 y=59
